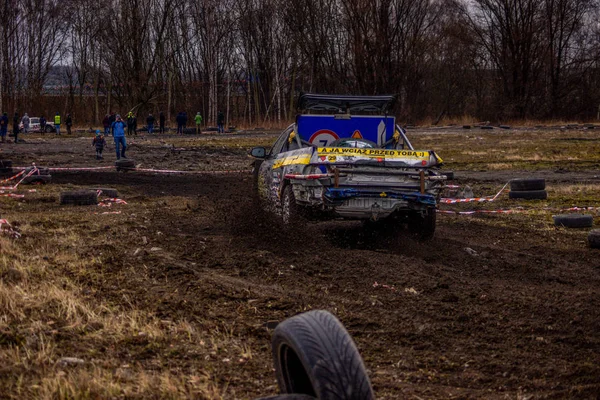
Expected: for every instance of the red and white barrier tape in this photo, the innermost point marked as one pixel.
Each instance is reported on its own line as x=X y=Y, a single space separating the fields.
x=8 y=230
x=110 y=202
x=376 y=285
x=158 y=171
x=479 y=212
x=474 y=199
x=12 y=177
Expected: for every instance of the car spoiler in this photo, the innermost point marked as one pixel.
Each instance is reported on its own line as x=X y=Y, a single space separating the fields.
x=346 y=104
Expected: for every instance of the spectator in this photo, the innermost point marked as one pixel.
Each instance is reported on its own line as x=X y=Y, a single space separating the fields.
x=198 y=122
x=150 y=123
x=179 y=121
x=57 y=123
x=16 y=121
x=25 y=121
x=106 y=124
x=118 y=132
x=3 y=126
x=99 y=142
x=43 y=123
x=134 y=124
x=220 y=122
x=129 y=123
x=69 y=123
x=161 y=120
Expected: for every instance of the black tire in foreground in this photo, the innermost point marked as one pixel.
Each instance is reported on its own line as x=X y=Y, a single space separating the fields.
x=528 y=194
x=527 y=184
x=573 y=220
x=125 y=164
x=5 y=165
x=314 y=355
x=107 y=192
x=594 y=238
x=423 y=225
x=79 y=197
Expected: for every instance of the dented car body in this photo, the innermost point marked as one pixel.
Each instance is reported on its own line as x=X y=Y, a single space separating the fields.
x=353 y=163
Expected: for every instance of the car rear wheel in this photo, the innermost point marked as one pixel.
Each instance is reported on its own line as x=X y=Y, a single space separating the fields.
x=48 y=129
x=423 y=225
x=290 y=210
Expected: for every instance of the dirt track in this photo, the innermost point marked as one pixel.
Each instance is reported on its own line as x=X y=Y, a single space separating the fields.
x=517 y=317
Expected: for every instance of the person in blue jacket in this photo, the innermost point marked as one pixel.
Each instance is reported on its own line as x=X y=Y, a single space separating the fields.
x=118 y=132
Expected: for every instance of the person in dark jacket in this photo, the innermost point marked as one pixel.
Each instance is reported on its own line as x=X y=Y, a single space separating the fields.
x=220 y=122
x=179 y=120
x=99 y=142
x=106 y=124
x=3 y=126
x=134 y=124
x=43 y=123
x=184 y=120
x=69 y=123
x=16 y=121
x=150 y=123
x=161 y=120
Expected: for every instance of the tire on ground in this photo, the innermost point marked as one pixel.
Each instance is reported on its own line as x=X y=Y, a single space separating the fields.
x=314 y=355
x=573 y=220
x=527 y=184
x=37 y=179
x=125 y=164
x=291 y=212
x=38 y=171
x=423 y=226
x=5 y=165
x=528 y=194
x=79 y=197
x=107 y=192
x=594 y=238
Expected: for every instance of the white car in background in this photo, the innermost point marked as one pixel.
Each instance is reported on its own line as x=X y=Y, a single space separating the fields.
x=34 y=125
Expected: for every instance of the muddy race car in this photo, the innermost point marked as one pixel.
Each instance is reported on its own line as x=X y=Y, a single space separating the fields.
x=346 y=158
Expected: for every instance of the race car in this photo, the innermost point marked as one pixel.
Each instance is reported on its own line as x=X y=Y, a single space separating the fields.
x=345 y=157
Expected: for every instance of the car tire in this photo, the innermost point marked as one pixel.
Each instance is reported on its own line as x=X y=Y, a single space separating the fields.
x=573 y=220
x=528 y=194
x=314 y=355
x=79 y=197
x=39 y=171
x=37 y=179
x=423 y=226
x=125 y=164
x=291 y=212
x=6 y=166
x=594 y=238
x=48 y=129
x=527 y=184
x=107 y=192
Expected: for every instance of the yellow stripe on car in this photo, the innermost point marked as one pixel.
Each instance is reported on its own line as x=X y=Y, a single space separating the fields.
x=300 y=159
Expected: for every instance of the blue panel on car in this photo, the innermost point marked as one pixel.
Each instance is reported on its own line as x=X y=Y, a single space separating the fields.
x=321 y=130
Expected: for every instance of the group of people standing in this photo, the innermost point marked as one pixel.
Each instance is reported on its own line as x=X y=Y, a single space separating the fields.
x=26 y=121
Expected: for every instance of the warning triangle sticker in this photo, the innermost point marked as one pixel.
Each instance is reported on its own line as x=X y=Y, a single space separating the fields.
x=357 y=135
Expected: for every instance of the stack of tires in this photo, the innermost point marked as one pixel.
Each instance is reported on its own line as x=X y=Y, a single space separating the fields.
x=528 y=189
x=40 y=176
x=579 y=221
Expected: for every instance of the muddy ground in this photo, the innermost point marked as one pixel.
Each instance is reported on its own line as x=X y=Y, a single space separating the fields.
x=516 y=316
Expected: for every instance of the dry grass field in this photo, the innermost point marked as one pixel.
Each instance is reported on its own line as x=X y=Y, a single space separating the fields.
x=174 y=294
